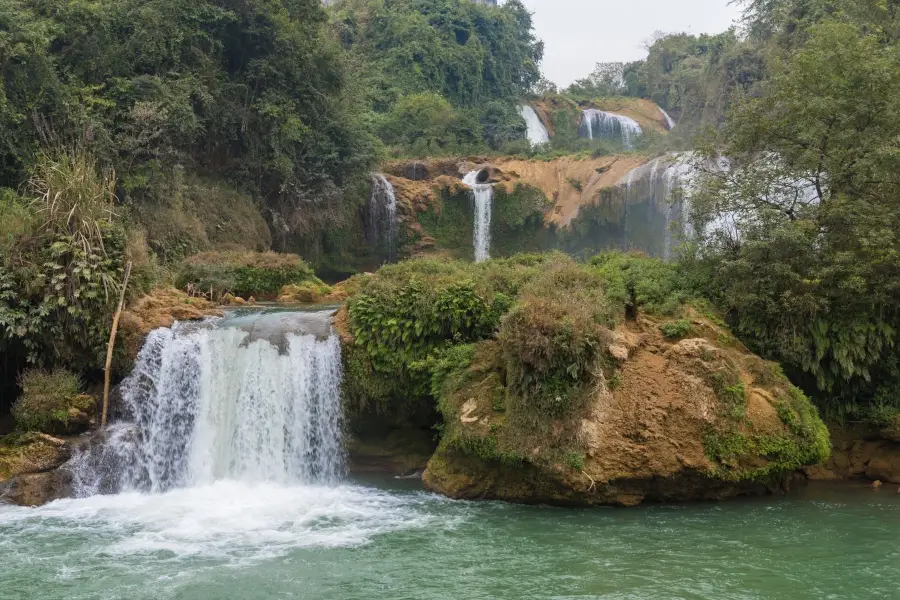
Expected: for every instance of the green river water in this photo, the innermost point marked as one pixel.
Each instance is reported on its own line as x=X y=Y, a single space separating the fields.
x=391 y=540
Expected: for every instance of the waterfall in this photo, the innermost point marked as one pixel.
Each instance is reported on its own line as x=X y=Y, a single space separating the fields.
x=537 y=133
x=481 y=195
x=254 y=398
x=381 y=221
x=656 y=200
x=598 y=123
x=669 y=120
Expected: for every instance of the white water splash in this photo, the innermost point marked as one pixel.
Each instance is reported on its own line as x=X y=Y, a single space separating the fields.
x=234 y=521
x=381 y=228
x=598 y=123
x=482 y=194
x=669 y=120
x=537 y=133
x=211 y=404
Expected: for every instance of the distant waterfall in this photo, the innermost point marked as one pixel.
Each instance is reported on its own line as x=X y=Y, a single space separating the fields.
x=537 y=133
x=381 y=226
x=482 y=194
x=601 y=124
x=656 y=197
x=669 y=120
x=254 y=400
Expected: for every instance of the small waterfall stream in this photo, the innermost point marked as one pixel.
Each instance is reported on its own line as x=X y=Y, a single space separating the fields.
x=482 y=194
x=537 y=133
x=669 y=120
x=253 y=397
x=381 y=217
x=601 y=124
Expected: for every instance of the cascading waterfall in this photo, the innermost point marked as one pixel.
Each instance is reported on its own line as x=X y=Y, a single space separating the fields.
x=598 y=123
x=669 y=120
x=482 y=194
x=537 y=133
x=252 y=399
x=381 y=226
x=656 y=199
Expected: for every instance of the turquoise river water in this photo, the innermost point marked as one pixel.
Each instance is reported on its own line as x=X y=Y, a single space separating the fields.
x=391 y=540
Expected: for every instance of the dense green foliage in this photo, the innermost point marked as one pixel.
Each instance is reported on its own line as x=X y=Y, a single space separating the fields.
x=810 y=274
x=47 y=399
x=63 y=253
x=548 y=314
x=442 y=75
x=255 y=92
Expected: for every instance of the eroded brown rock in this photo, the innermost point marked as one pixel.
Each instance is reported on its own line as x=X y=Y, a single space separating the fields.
x=160 y=308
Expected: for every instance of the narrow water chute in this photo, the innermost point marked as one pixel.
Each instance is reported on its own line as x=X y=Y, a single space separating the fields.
x=482 y=196
x=381 y=226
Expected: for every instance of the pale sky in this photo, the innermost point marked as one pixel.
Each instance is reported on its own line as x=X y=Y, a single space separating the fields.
x=578 y=34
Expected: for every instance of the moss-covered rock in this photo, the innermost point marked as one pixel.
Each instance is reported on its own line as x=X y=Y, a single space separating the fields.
x=244 y=274
x=656 y=420
x=159 y=308
x=31 y=452
x=556 y=382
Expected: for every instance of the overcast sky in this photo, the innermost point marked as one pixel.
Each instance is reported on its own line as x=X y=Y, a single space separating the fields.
x=578 y=34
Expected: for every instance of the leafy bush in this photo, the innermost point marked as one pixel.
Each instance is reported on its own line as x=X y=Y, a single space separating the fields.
x=426 y=124
x=47 y=397
x=637 y=282
x=675 y=329
x=259 y=274
x=554 y=335
x=61 y=274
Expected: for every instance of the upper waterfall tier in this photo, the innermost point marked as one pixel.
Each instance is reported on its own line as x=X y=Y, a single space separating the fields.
x=601 y=124
x=537 y=133
x=381 y=216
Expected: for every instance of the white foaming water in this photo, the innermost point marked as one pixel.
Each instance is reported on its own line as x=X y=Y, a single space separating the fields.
x=382 y=215
x=482 y=194
x=598 y=123
x=236 y=521
x=230 y=450
x=669 y=120
x=537 y=133
x=223 y=403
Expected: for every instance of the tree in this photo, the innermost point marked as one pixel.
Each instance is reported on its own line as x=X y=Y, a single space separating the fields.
x=812 y=277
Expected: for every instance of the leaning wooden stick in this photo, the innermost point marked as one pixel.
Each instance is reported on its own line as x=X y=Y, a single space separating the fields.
x=112 y=343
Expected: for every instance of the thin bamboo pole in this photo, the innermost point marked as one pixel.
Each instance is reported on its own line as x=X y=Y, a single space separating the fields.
x=112 y=343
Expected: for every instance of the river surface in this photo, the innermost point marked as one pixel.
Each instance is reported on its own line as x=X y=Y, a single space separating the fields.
x=391 y=540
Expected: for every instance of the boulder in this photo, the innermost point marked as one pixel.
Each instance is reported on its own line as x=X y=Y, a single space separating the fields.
x=663 y=421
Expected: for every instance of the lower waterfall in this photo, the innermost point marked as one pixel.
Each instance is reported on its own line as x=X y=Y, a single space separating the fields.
x=255 y=398
x=600 y=124
x=482 y=194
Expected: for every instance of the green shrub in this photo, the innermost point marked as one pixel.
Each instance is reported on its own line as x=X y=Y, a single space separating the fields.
x=554 y=335
x=61 y=263
x=676 y=329
x=258 y=274
x=46 y=399
x=641 y=283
